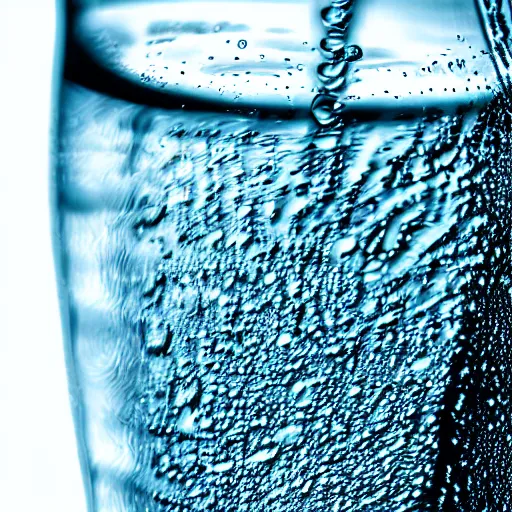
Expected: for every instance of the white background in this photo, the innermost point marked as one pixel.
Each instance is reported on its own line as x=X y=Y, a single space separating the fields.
x=39 y=469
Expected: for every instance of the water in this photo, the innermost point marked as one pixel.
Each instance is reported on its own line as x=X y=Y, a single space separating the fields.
x=273 y=306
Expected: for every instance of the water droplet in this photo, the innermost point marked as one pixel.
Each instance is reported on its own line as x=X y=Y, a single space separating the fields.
x=284 y=339
x=242 y=44
x=223 y=466
x=421 y=364
x=270 y=278
x=306 y=487
x=288 y=434
x=344 y=245
x=186 y=420
x=263 y=455
x=354 y=391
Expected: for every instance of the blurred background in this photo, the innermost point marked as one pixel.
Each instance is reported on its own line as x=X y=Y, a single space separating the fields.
x=39 y=468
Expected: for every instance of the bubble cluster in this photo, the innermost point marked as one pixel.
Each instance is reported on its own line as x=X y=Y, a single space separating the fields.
x=332 y=73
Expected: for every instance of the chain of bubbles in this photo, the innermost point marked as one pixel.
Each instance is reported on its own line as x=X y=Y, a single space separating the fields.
x=332 y=73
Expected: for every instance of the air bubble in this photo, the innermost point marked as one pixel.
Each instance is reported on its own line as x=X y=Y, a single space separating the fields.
x=352 y=53
x=324 y=108
x=335 y=17
x=332 y=43
x=329 y=70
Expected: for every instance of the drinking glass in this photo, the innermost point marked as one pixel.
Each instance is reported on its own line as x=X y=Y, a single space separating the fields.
x=284 y=253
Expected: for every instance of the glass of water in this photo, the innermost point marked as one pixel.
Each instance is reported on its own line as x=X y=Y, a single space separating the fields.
x=284 y=250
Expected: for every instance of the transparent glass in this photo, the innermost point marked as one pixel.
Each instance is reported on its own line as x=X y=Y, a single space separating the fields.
x=284 y=249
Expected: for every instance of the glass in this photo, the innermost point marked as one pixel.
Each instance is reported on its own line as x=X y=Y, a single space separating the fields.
x=285 y=253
